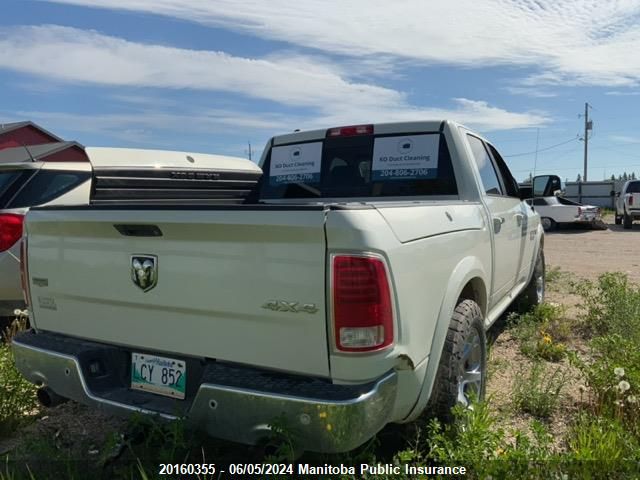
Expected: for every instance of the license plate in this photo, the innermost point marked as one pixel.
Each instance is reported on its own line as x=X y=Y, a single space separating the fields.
x=161 y=375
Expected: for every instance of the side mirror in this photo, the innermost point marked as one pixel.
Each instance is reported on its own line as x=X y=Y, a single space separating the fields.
x=547 y=186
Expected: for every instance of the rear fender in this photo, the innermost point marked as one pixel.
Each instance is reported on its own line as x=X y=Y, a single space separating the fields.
x=468 y=269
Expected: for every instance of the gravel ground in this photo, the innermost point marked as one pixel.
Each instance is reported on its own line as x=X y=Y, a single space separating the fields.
x=588 y=253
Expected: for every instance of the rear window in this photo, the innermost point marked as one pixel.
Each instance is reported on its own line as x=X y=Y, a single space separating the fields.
x=633 y=187
x=46 y=186
x=417 y=164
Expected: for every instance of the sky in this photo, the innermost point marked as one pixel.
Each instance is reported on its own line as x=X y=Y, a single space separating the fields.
x=217 y=75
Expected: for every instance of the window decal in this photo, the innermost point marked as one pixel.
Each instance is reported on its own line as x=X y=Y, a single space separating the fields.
x=296 y=164
x=405 y=158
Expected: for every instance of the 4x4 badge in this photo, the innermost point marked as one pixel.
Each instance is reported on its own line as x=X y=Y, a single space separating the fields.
x=295 y=307
x=144 y=271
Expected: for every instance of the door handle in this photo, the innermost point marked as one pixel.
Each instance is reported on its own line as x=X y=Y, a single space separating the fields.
x=497 y=224
x=519 y=217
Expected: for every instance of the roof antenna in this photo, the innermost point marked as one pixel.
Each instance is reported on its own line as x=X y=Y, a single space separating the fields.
x=30 y=156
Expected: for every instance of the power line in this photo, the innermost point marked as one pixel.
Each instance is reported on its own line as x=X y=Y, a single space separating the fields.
x=574 y=139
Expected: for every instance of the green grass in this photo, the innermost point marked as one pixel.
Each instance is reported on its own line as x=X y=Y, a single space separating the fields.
x=18 y=403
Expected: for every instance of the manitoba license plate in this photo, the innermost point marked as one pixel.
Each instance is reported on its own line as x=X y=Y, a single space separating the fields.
x=161 y=375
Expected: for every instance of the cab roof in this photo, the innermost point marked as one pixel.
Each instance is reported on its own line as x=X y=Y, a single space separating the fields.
x=378 y=128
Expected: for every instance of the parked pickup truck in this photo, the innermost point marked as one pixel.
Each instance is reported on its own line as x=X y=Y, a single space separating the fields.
x=628 y=204
x=351 y=288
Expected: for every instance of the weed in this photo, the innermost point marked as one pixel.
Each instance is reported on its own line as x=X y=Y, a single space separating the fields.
x=538 y=391
x=612 y=306
x=474 y=441
x=542 y=331
x=558 y=280
x=602 y=440
x=18 y=402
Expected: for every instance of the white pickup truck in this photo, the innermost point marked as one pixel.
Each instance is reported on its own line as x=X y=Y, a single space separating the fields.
x=628 y=204
x=351 y=288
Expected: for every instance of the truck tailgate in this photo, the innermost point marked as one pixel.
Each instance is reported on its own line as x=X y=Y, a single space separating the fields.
x=222 y=278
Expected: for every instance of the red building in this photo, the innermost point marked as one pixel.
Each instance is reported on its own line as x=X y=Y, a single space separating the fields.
x=41 y=144
x=24 y=133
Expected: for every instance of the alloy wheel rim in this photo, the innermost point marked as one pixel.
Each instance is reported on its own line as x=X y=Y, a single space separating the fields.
x=540 y=287
x=470 y=381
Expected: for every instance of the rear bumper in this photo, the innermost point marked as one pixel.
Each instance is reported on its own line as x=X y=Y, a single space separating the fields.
x=588 y=218
x=228 y=401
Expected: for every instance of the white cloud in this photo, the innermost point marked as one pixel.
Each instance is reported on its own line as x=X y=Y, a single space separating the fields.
x=579 y=42
x=474 y=113
x=296 y=81
x=625 y=139
x=94 y=58
x=623 y=93
x=536 y=92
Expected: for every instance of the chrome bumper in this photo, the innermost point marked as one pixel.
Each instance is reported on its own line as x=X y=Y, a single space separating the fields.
x=243 y=415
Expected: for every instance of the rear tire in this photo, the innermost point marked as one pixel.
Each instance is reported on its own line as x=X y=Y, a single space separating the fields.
x=627 y=222
x=617 y=218
x=462 y=370
x=548 y=224
x=534 y=292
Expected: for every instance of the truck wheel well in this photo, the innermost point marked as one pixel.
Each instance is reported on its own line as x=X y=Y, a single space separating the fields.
x=476 y=291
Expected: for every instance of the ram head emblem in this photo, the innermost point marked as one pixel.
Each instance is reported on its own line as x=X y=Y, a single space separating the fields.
x=144 y=271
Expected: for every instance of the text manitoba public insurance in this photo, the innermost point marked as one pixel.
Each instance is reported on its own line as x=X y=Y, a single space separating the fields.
x=378 y=469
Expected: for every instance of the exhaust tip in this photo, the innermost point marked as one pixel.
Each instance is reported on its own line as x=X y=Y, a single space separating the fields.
x=48 y=398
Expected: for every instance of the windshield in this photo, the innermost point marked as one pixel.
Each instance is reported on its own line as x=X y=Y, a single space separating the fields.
x=417 y=164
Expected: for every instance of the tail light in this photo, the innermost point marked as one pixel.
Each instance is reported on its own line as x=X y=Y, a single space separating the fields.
x=362 y=304
x=10 y=230
x=630 y=199
x=350 y=131
x=24 y=272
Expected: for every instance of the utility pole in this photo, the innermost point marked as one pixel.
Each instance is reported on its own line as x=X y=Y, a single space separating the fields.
x=249 y=151
x=588 y=125
x=535 y=159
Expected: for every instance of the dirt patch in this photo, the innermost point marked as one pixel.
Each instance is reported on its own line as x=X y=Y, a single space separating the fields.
x=77 y=431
